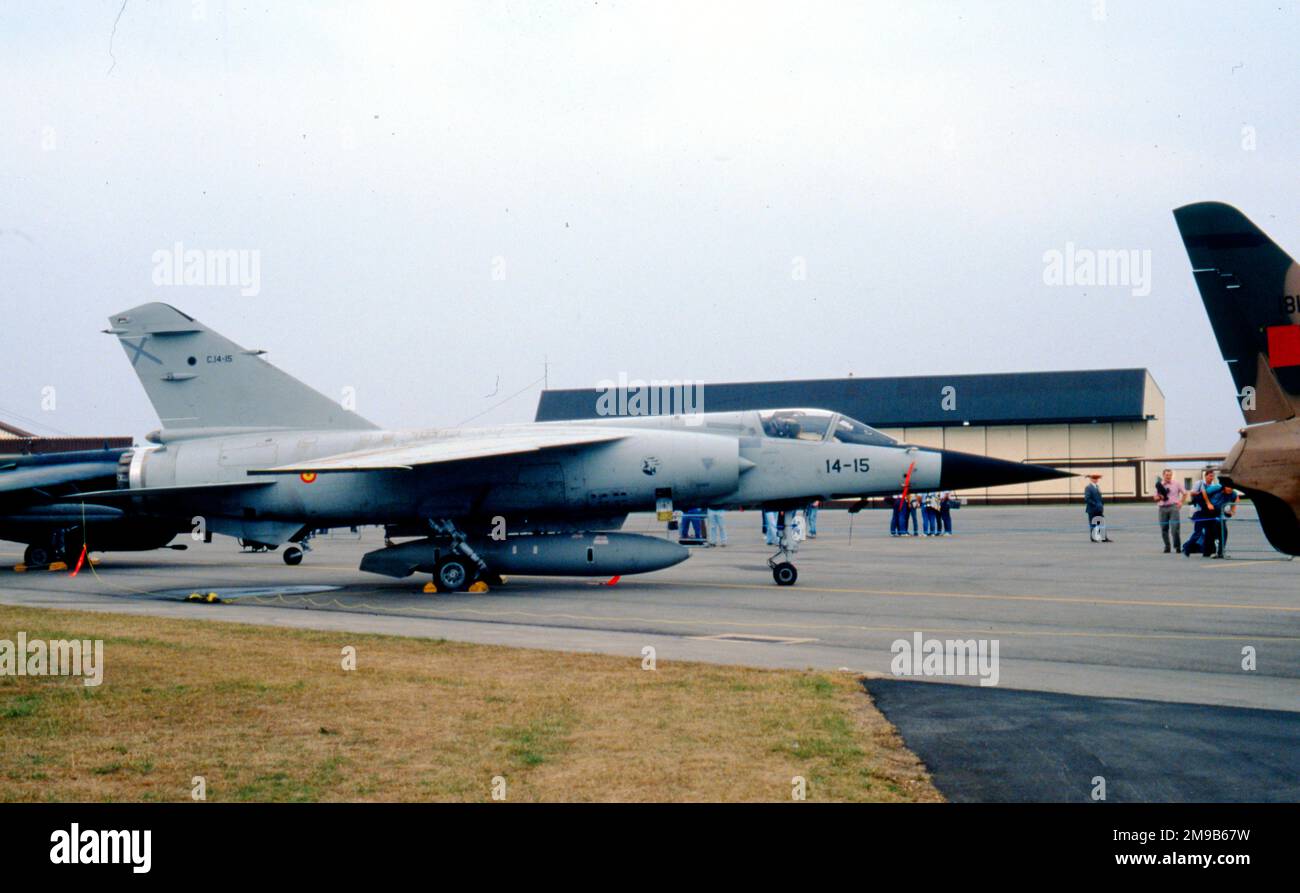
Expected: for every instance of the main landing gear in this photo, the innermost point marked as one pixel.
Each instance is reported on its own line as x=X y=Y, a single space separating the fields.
x=292 y=553
x=36 y=555
x=459 y=570
x=54 y=549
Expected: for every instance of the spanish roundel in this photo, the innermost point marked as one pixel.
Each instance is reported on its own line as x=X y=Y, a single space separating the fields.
x=308 y=477
x=1283 y=346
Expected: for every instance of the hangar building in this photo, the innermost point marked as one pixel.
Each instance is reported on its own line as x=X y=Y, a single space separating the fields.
x=1105 y=420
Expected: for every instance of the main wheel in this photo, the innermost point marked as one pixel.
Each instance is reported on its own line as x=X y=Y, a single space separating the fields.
x=36 y=556
x=292 y=555
x=785 y=574
x=453 y=574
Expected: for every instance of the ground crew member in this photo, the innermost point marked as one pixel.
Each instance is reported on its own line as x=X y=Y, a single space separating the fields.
x=1202 y=512
x=1094 y=505
x=1225 y=504
x=946 y=499
x=716 y=529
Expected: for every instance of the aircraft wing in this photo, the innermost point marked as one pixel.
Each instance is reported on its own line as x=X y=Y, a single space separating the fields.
x=407 y=457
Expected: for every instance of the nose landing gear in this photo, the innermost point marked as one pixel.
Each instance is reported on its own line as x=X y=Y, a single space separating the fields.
x=783 y=570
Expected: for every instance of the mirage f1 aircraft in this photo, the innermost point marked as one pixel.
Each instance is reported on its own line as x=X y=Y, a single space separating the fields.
x=1251 y=291
x=261 y=456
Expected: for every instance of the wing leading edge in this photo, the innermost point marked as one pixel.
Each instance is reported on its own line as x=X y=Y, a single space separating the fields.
x=452 y=449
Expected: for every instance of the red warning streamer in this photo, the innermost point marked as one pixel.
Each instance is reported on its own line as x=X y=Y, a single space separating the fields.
x=907 y=480
x=80 y=560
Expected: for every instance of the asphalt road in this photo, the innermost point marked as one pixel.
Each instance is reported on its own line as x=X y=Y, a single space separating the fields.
x=1002 y=745
x=1068 y=616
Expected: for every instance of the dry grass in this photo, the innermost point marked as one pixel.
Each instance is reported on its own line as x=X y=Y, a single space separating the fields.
x=270 y=715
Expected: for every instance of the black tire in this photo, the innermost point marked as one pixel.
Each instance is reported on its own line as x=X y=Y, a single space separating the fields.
x=453 y=574
x=292 y=556
x=785 y=574
x=36 y=556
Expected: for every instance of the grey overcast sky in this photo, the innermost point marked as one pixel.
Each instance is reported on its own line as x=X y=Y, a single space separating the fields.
x=442 y=195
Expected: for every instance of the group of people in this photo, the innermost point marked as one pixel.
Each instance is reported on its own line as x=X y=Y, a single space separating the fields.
x=708 y=526
x=713 y=522
x=934 y=509
x=1212 y=501
x=802 y=524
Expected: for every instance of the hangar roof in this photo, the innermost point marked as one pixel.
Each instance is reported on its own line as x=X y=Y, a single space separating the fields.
x=1013 y=398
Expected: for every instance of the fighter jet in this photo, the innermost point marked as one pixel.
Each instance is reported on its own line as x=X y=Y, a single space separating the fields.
x=1251 y=291
x=42 y=506
x=261 y=456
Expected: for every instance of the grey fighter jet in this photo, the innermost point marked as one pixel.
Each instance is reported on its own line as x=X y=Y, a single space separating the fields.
x=42 y=506
x=261 y=456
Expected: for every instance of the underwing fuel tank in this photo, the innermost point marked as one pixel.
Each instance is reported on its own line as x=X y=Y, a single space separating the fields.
x=542 y=554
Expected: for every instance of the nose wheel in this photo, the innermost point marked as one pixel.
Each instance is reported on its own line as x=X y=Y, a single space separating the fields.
x=784 y=573
x=783 y=570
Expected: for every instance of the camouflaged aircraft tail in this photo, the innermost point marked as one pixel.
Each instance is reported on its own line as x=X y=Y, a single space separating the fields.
x=1251 y=291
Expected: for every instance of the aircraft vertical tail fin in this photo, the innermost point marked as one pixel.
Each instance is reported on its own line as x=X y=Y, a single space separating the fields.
x=197 y=379
x=1251 y=291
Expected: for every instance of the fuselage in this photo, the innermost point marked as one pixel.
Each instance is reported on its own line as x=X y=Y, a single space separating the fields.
x=710 y=459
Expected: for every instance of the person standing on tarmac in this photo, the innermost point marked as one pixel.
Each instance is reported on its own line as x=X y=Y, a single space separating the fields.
x=1225 y=504
x=1169 y=498
x=1095 y=506
x=930 y=510
x=913 y=504
x=945 y=512
x=716 y=527
x=1202 y=511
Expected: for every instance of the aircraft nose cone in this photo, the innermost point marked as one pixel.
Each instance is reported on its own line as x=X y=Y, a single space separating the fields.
x=961 y=470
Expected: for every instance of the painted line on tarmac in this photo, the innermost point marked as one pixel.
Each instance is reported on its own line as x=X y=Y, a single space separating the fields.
x=500 y=615
x=1056 y=599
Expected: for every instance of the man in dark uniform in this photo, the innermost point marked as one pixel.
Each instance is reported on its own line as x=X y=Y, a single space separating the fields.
x=1094 y=505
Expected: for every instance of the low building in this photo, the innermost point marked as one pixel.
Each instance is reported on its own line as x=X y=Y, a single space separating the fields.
x=16 y=441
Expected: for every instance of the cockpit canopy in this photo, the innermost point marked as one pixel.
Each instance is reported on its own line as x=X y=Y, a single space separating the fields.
x=819 y=425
